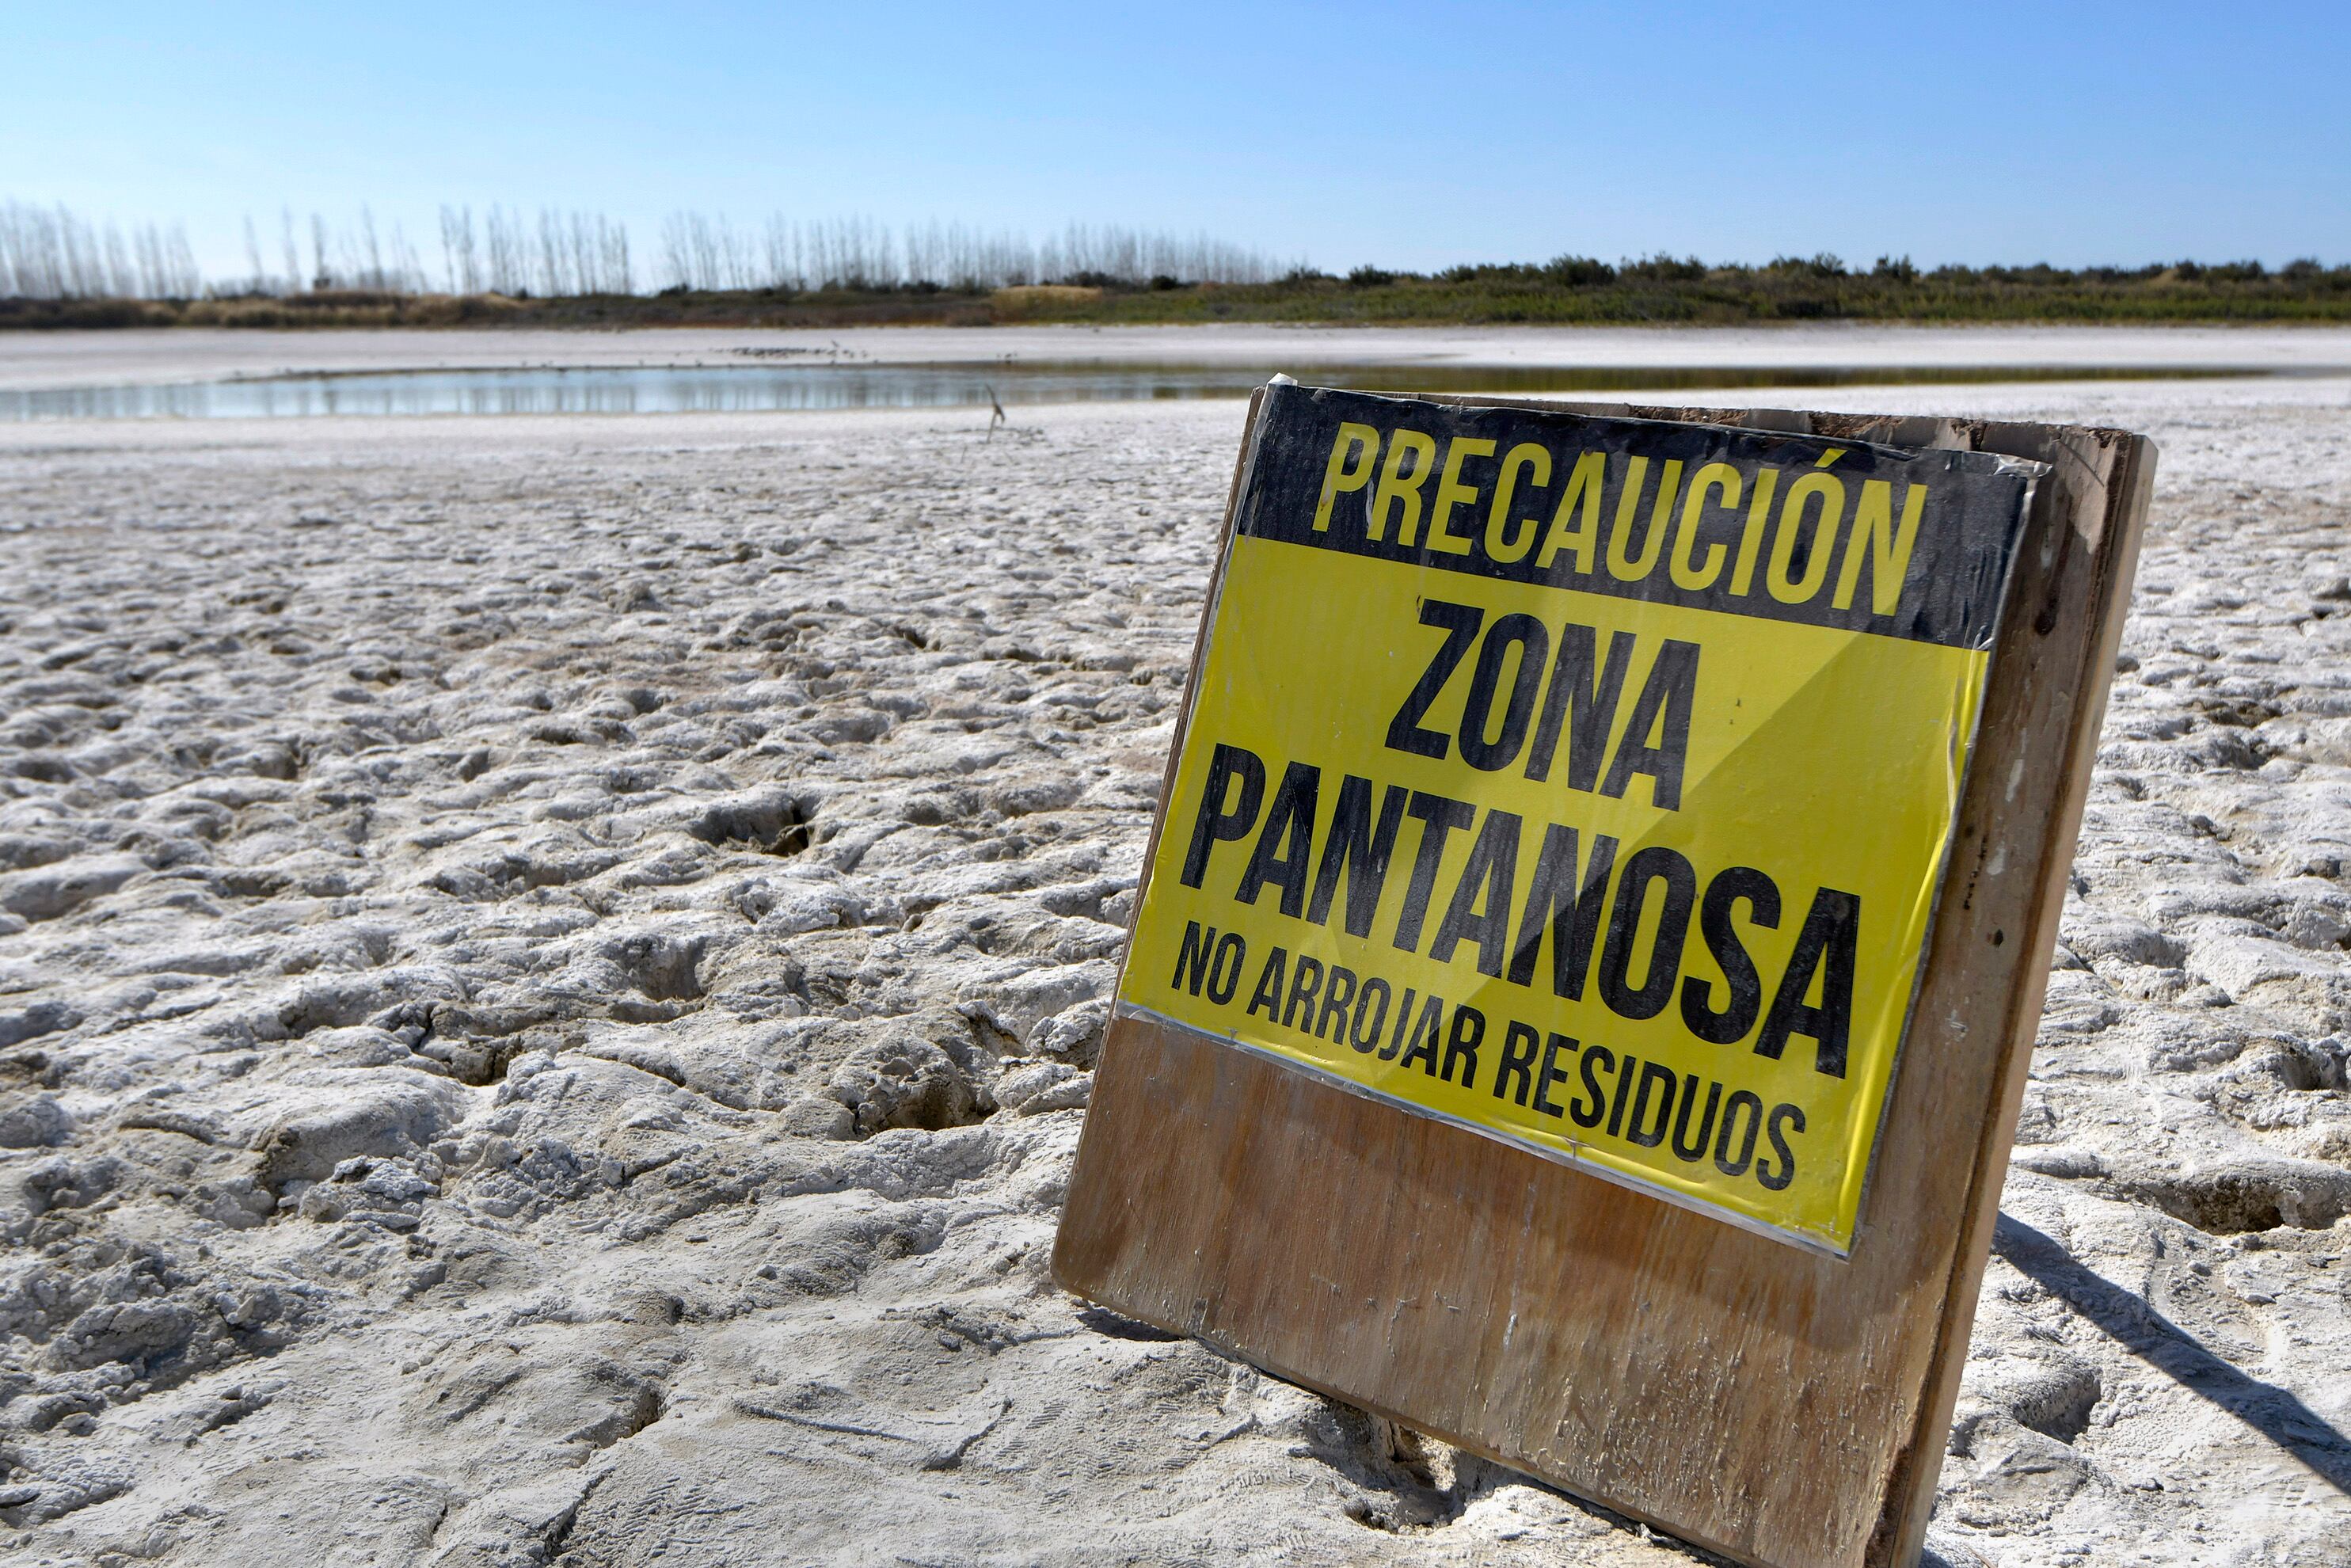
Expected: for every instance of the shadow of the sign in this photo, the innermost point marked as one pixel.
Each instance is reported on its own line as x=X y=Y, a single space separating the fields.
x=2133 y=1323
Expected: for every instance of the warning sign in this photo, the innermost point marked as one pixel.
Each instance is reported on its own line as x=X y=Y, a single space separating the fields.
x=1585 y=782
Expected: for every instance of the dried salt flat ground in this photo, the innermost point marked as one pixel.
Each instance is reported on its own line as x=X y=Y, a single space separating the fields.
x=550 y=969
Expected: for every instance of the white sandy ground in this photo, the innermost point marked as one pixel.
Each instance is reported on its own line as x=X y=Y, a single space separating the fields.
x=29 y=360
x=549 y=966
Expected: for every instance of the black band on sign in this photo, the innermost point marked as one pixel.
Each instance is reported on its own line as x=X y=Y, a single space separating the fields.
x=1859 y=536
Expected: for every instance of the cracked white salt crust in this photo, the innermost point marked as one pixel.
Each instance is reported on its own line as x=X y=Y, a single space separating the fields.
x=550 y=968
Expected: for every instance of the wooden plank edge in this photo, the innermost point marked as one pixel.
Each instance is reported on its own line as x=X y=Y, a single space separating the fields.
x=1062 y=1266
x=1901 y=1535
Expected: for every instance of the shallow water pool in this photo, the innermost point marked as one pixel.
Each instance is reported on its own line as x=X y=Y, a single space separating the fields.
x=771 y=387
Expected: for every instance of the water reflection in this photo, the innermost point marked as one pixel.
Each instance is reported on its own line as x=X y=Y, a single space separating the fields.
x=761 y=389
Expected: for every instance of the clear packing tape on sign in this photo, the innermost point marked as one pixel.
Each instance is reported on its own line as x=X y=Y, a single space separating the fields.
x=1585 y=782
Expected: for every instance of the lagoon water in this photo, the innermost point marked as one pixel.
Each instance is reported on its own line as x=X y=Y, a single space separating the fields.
x=773 y=388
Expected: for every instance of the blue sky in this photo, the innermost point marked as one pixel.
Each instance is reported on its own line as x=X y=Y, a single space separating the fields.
x=1413 y=135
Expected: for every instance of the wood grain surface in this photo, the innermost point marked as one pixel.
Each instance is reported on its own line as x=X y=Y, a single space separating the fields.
x=1779 y=1407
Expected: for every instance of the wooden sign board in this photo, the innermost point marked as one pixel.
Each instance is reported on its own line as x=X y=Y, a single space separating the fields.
x=1595 y=930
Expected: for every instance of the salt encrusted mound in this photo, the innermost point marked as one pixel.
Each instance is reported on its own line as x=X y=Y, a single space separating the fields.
x=549 y=972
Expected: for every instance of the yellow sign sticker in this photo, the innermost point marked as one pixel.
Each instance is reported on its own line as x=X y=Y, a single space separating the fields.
x=1584 y=782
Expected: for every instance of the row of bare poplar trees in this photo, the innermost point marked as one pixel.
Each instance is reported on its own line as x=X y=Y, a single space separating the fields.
x=703 y=252
x=53 y=253
x=559 y=254
x=50 y=253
